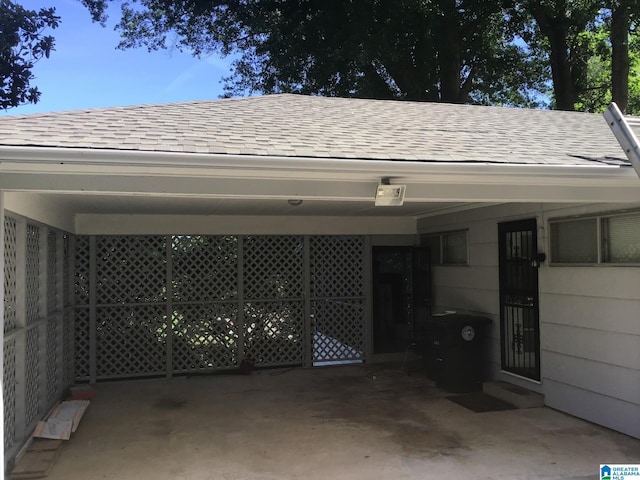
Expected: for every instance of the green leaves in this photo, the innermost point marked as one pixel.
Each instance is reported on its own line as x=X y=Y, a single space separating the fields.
x=22 y=43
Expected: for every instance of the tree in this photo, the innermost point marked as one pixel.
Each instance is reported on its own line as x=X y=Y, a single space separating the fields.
x=587 y=46
x=436 y=50
x=22 y=43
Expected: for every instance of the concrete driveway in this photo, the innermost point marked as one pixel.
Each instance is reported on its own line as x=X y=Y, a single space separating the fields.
x=354 y=422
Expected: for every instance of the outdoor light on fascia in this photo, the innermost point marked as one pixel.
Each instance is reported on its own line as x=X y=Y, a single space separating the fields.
x=389 y=195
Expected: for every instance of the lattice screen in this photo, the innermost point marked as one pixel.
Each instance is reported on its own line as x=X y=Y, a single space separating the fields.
x=130 y=270
x=130 y=340
x=9 y=274
x=9 y=393
x=81 y=270
x=32 y=376
x=273 y=270
x=207 y=321
x=66 y=280
x=338 y=330
x=205 y=336
x=67 y=348
x=337 y=267
x=337 y=290
x=81 y=348
x=273 y=332
x=273 y=267
x=33 y=273
x=52 y=357
x=52 y=272
x=205 y=268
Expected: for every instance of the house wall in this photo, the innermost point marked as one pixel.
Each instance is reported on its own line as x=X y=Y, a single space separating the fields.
x=590 y=360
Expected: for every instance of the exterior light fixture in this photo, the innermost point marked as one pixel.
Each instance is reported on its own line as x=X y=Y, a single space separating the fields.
x=388 y=195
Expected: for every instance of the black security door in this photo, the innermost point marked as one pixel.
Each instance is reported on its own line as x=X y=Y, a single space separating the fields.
x=519 y=316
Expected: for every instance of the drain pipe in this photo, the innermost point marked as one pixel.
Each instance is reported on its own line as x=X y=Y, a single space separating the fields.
x=625 y=136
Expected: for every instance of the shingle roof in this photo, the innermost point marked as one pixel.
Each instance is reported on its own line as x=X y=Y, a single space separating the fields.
x=302 y=126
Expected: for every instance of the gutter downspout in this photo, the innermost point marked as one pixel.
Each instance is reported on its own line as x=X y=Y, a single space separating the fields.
x=625 y=136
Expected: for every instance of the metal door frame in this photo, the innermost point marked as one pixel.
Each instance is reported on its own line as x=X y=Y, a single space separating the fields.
x=519 y=298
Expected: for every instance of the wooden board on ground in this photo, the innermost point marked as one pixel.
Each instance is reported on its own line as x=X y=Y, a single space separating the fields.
x=37 y=460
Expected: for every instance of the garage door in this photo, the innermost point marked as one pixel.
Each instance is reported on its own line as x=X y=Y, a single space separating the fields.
x=163 y=305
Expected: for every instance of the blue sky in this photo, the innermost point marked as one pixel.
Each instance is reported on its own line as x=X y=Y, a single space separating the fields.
x=87 y=71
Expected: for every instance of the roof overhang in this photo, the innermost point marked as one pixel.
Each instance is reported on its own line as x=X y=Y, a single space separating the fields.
x=118 y=172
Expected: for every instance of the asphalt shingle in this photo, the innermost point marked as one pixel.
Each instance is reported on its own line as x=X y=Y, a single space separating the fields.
x=296 y=125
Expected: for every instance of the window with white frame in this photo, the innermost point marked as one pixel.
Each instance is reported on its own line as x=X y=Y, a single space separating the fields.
x=602 y=239
x=447 y=248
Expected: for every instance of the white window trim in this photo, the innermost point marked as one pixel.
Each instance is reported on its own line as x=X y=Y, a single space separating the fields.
x=599 y=217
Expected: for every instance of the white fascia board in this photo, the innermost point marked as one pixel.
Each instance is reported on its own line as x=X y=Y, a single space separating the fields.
x=84 y=171
x=132 y=162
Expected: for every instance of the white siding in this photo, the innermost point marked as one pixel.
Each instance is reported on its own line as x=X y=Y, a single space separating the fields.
x=589 y=320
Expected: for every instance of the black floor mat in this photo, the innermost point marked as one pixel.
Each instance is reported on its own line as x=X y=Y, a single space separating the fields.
x=480 y=402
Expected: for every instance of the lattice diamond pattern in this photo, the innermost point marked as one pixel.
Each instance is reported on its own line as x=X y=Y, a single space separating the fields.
x=52 y=357
x=338 y=330
x=337 y=266
x=205 y=268
x=52 y=271
x=10 y=318
x=33 y=274
x=130 y=269
x=9 y=393
x=32 y=380
x=205 y=336
x=81 y=271
x=273 y=267
x=67 y=351
x=273 y=333
x=66 y=298
x=130 y=340
x=81 y=328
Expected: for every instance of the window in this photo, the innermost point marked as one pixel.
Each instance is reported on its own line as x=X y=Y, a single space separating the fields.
x=448 y=248
x=605 y=239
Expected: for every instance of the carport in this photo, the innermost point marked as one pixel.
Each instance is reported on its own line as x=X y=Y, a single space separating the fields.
x=174 y=240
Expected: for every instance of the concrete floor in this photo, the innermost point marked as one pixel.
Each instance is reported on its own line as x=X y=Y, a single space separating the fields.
x=336 y=423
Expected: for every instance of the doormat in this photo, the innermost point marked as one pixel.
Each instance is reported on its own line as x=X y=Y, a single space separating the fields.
x=480 y=402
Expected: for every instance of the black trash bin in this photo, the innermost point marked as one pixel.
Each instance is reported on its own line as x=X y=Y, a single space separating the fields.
x=454 y=351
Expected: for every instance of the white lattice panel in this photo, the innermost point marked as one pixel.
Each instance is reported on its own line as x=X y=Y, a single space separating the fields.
x=273 y=333
x=9 y=393
x=32 y=274
x=338 y=330
x=52 y=357
x=81 y=334
x=32 y=376
x=130 y=269
x=66 y=255
x=273 y=267
x=205 y=268
x=81 y=270
x=52 y=271
x=67 y=348
x=205 y=336
x=337 y=267
x=9 y=274
x=130 y=340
